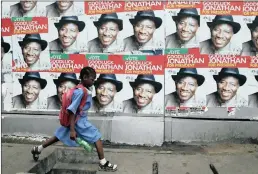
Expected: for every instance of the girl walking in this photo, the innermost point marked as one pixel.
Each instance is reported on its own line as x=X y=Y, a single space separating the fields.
x=82 y=127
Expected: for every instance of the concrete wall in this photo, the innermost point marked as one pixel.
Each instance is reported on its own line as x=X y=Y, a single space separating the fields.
x=138 y=130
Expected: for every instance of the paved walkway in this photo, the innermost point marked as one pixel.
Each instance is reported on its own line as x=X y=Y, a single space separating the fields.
x=227 y=158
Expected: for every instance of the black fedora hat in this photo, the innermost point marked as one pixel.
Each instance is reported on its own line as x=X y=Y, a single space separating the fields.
x=5 y=45
x=253 y=24
x=33 y=38
x=256 y=77
x=192 y=72
x=67 y=77
x=109 y=17
x=222 y=19
x=146 y=15
x=33 y=76
x=70 y=19
x=187 y=12
x=230 y=72
x=109 y=78
x=143 y=78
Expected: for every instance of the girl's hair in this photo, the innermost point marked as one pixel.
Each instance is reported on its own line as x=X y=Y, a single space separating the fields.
x=87 y=71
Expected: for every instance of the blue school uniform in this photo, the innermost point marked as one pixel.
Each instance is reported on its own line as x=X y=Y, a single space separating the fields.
x=83 y=127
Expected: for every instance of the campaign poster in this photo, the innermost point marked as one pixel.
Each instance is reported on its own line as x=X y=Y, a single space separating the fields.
x=250 y=26
x=221 y=29
x=64 y=8
x=145 y=28
x=68 y=34
x=63 y=75
x=182 y=25
x=106 y=30
x=7 y=49
x=58 y=84
x=67 y=63
x=23 y=9
x=31 y=52
x=185 y=84
x=30 y=91
x=108 y=90
x=228 y=80
x=143 y=85
x=253 y=83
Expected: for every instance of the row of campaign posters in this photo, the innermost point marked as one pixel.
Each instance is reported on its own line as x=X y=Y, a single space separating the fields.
x=151 y=57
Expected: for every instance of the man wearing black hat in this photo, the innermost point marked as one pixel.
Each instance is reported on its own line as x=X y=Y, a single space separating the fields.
x=144 y=89
x=5 y=47
x=228 y=82
x=250 y=48
x=25 y=9
x=68 y=28
x=61 y=8
x=108 y=27
x=187 y=82
x=32 y=45
x=253 y=98
x=222 y=29
x=31 y=84
x=106 y=87
x=187 y=23
x=144 y=24
x=64 y=82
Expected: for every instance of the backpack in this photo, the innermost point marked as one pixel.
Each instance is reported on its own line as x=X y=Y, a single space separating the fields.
x=66 y=101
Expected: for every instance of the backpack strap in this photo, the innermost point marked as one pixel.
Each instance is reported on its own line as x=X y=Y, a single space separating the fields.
x=83 y=101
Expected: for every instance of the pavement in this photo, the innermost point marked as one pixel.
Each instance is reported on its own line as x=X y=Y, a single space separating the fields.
x=179 y=159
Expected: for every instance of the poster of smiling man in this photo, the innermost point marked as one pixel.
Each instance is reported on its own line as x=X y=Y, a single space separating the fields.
x=185 y=84
x=108 y=89
x=107 y=93
x=31 y=52
x=221 y=25
x=228 y=88
x=68 y=34
x=30 y=93
x=144 y=23
x=106 y=28
x=144 y=77
x=229 y=74
x=182 y=24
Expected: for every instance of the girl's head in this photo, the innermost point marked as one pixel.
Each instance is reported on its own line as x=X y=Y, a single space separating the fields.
x=87 y=76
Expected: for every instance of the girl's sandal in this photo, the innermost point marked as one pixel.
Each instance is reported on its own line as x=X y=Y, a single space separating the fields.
x=108 y=167
x=35 y=153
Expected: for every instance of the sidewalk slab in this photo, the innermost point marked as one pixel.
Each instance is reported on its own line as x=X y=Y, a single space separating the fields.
x=227 y=158
x=17 y=158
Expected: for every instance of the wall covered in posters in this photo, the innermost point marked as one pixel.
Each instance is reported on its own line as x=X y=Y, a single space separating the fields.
x=154 y=58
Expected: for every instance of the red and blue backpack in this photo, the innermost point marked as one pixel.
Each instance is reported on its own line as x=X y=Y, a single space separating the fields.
x=66 y=101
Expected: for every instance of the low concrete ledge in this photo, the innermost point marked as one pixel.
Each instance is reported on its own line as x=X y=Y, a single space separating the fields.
x=149 y=131
x=190 y=130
